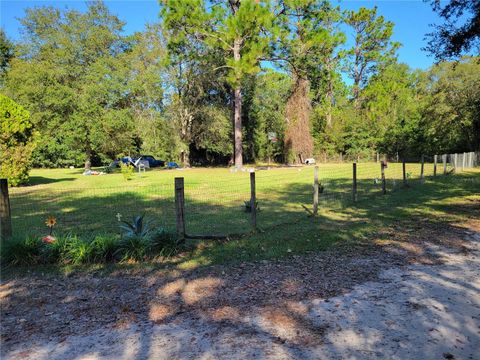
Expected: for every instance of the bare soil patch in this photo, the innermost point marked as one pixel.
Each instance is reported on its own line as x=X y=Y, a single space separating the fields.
x=275 y=294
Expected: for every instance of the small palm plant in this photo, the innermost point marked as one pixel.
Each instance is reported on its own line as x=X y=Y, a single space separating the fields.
x=135 y=239
x=138 y=227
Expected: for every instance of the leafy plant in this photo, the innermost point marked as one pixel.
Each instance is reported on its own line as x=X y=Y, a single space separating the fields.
x=107 y=169
x=127 y=171
x=248 y=206
x=25 y=251
x=17 y=141
x=163 y=242
x=56 y=252
x=78 y=251
x=138 y=227
x=103 y=248
x=132 y=248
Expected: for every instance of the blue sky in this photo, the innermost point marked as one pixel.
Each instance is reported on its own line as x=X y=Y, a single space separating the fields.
x=411 y=18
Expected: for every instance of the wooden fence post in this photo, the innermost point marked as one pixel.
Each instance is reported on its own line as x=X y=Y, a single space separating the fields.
x=422 y=168
x=455 y=163
x=434 y=165
x=5 y=214
x=315 y=191
x=463 y=161
x=354 y=182
x=384 y=184
x=253 y=200
x=180 y=208
x=444 y=159
x=404 y=171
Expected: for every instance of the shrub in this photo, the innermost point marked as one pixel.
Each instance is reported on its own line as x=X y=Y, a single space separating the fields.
x=107 y=169
x=17 y=141
x=132 y=248
x=127 y=171
x=78 y=251
x=103 y=248
x=27 y=251
x=56 y=252
x=163 y=242
x=141 y=244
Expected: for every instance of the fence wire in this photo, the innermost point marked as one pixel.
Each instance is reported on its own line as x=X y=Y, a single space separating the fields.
x=219 y=206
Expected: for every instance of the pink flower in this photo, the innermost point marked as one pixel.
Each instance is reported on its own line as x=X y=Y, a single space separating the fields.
x=48 y=239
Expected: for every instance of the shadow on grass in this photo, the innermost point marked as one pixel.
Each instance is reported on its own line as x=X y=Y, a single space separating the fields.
x=40 y=180
x=284 y=224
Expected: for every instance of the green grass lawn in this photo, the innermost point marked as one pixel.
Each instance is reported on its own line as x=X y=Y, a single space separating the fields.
x=87 y=205
x=217 y=194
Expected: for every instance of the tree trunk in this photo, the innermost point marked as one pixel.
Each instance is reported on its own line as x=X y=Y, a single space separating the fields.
x=88 y=152
x=356 y=80
x=185 y=158
x=237 y=111
x=88 y=161
x=298 y=139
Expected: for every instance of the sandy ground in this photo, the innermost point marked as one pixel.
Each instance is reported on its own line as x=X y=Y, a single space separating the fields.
x=424 y=310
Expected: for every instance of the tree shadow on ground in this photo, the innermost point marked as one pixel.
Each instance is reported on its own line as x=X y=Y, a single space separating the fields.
x=41 y=180
x=217 y=310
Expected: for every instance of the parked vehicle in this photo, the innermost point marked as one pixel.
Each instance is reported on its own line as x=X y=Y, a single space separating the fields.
x=152 y=162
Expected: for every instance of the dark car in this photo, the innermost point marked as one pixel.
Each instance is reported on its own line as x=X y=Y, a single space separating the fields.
x=152 y=162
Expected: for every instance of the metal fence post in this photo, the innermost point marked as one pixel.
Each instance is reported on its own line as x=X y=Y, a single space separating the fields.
x=455 y=163
x=404 y=171
x=5 y=213
x=180 y=207
x=464 y=156
x=444 y=159
x=253 y=200
x=434 y=165
x=354 y=189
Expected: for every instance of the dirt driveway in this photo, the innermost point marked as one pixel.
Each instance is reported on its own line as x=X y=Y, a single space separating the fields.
x=411 y=296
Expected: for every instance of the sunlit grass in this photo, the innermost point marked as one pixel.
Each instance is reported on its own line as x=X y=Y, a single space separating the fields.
x=214 y=196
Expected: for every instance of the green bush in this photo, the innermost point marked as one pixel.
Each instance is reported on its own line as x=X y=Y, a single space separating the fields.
x=27 y=251
x=56 y=252
x=103 y=248
x=70 y=249
x=132 y=248
x=107 y=169
x=163 y=243
x=78 y=251
x=17 y=141
x=127 y=171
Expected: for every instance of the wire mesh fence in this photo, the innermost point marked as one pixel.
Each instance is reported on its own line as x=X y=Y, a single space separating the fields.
x=220 y=204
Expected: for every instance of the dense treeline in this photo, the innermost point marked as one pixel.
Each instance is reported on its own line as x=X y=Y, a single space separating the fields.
x=215 y=82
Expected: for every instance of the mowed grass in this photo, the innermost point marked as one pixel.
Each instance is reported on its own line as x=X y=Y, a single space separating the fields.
x=215 y=197
x=452 y=199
